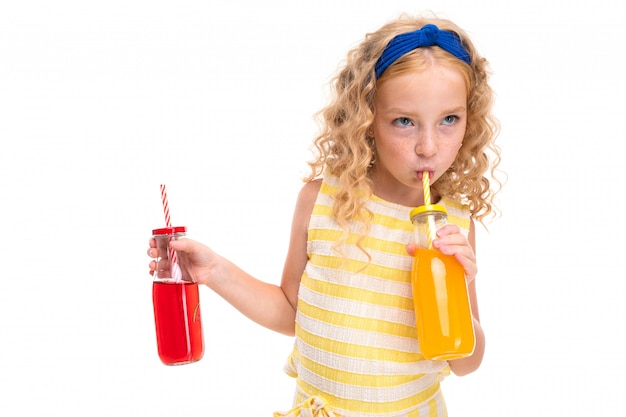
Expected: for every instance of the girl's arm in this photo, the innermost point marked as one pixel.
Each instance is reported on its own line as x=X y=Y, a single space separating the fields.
x=267 y=304
x=297 y=254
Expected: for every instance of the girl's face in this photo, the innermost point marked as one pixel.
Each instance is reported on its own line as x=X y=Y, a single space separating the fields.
x=419 y=125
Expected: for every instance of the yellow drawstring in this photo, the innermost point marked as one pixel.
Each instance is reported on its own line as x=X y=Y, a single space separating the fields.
x=313 y=407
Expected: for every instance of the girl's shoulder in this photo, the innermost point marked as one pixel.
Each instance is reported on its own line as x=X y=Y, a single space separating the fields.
x=306 y=199
x=310 y=190
x=453 y=204
x=458 y=213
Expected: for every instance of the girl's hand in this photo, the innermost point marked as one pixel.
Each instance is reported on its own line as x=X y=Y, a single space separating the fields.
x=196 y=260
x=450 y=241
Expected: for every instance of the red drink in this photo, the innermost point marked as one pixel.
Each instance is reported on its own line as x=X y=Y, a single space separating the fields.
x=177 y=321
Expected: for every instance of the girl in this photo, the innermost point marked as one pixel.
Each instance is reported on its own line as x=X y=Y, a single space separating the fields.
x=412 y=98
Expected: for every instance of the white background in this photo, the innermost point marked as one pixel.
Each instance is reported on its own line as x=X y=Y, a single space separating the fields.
x=101 y=101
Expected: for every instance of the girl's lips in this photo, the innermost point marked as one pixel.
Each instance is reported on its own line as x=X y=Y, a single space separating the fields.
x=420 y=174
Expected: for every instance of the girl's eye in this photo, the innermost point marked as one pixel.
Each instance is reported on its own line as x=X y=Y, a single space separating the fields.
x=403 y=121
x=448 y=120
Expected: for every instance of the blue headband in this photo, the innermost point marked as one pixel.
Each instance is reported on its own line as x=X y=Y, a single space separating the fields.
x=429 y=35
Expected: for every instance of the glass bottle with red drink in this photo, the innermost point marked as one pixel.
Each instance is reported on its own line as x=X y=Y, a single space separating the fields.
x=176 y=301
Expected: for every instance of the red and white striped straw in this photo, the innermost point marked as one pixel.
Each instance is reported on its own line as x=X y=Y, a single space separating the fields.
x=166 y=207
x=168 y=223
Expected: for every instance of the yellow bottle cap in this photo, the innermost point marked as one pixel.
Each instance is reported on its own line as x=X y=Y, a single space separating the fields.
x=429 y=208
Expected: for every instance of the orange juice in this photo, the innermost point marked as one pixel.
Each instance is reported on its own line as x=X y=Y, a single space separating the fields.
x=445 y=328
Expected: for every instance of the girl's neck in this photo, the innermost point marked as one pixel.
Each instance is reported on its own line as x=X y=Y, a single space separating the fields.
x=397 y=193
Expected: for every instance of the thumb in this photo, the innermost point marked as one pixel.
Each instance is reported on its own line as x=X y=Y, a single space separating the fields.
x=180 y=245
x=410 y=248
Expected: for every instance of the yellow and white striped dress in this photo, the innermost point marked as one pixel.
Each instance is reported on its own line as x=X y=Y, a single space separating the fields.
x=356 y=351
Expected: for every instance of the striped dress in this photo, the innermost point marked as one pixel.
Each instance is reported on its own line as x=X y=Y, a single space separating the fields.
x=356 y=351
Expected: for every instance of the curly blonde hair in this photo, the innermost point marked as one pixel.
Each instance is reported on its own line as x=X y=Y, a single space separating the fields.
x=343 y=147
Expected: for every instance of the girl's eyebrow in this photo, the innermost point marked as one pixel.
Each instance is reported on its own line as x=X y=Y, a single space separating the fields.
x=459 y=109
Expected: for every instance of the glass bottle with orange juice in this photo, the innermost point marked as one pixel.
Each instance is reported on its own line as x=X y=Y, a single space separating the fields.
x=445 y=327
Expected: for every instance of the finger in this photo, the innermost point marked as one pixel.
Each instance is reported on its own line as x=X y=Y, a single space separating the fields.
x=449 y=229
x=451 y=239
x=162 y=265
x=179 y=245
x=469 y=265
x=456 y=245
x=452 y=244
x=410 y=248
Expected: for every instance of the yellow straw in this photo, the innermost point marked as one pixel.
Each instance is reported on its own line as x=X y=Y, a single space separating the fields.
x=430 y=221
x=426 y=185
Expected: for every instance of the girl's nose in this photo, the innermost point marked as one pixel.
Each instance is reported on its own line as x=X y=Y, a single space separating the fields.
x=426 y=145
